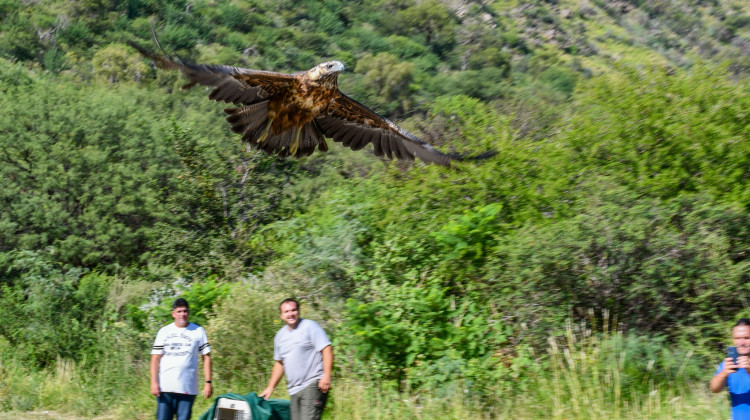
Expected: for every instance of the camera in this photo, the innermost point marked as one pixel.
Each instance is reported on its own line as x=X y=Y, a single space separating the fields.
x=732 y=352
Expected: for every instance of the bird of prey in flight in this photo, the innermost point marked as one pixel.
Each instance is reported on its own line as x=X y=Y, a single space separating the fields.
x=292 y=114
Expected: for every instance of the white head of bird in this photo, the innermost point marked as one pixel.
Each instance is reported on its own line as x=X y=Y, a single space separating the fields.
x=325 y=70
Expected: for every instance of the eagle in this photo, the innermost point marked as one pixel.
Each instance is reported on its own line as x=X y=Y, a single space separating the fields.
x=292 y=114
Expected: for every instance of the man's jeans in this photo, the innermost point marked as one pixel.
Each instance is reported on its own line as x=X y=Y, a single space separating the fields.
x=168 y=404
x=309 y=403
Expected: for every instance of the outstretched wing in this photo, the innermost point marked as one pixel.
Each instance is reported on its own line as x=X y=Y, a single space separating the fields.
x=255 y=91
x=268 y=122
x=355 y=125
x=235 y=85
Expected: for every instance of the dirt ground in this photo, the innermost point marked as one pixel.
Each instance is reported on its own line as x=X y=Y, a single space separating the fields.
x=47 y=415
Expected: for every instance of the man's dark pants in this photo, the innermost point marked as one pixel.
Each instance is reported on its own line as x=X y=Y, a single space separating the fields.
x=309 y=403
x=169 y=404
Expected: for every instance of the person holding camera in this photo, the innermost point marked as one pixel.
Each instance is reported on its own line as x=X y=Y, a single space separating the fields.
x=732 y=372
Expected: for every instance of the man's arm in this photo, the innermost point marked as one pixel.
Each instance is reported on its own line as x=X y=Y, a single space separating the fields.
x=276 y=373
x=154 y=369
x=325 y=381
x=207 y=387
x=719 y=381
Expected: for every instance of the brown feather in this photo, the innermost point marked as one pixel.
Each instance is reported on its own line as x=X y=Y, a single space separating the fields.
x=247 y=117
x=395 y=147
x=276 y=143
x=301 y=108
x=322 y=145
x=251 y=136
x=385 y=143
x=362 y=140
x=310 y=139
x=345 y=136
x=377 y=148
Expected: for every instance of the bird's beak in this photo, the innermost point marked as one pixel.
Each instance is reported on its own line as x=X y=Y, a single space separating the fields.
x=339 y=67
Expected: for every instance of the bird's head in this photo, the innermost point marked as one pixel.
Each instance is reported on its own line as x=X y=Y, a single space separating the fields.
x=326 y=71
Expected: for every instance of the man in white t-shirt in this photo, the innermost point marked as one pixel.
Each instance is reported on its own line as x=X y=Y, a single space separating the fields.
x=174 y=365
x=302 y=351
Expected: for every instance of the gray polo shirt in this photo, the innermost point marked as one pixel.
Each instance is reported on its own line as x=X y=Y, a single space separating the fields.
x=299 y=350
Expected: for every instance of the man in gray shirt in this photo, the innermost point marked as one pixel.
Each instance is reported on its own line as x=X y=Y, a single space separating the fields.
x=302 y=351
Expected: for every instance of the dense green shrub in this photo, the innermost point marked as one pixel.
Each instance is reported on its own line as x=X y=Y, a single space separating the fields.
x=84 y=171
x=241 y=333
x=663 y=134
x=676 y=258
x=50 y=311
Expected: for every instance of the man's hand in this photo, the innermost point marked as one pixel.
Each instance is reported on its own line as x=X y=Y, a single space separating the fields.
x=154 y=374
x=324 y=383
x=208 y=389
x=266 y=394
x=719 y=381
x=730 y=367
x=276 y=373
x=743 y=362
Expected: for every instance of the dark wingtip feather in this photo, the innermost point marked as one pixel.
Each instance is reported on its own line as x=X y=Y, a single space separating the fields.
x=166 y=63
x=140 y=49
x=462 y=158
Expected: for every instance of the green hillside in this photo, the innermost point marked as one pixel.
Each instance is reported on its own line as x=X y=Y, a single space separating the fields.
x=591 y=269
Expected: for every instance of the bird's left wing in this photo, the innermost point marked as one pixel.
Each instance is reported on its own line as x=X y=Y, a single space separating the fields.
x=353 y=124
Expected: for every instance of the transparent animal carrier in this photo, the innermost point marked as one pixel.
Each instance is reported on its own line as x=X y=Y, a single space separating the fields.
x=228 y=409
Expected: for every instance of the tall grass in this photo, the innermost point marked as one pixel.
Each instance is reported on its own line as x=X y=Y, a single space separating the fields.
x=585 y=375
x=582 y=375
x=595 y=376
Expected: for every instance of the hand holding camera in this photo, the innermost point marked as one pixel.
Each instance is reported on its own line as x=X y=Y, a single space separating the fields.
x=734 y=361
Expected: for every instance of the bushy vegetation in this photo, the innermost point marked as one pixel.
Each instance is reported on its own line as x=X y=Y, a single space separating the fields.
x=590 y=269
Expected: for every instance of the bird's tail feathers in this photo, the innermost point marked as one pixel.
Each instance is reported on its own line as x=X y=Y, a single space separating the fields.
x=248 y=117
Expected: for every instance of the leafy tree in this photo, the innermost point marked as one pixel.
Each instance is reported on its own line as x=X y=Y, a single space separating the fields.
x=470 y=237
x=665 y=133
x=54 y=60
x=116 y=63
x=49 y=311
x=233 y=327
x=221 y=199
x=80 y=173
x=430 y=19
x=677 y=258
x=202 y=296
x=387 y=80
x=17 y=39
x=487 y=83
x=415 y=330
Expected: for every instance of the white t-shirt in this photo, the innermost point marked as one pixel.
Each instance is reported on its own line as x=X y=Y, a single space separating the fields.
x=299 y=350
x=179 y=347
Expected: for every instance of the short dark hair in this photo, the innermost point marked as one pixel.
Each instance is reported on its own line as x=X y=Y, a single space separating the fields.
x=287 y=300
x=180 y=303
x=743 y=322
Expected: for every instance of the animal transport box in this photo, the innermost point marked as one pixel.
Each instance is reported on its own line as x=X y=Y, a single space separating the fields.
x=228 y=409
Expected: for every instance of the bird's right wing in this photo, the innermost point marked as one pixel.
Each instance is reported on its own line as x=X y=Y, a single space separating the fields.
x=232 y=84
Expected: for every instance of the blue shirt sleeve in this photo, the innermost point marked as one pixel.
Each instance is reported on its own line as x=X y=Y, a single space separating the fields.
x=719 y=368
